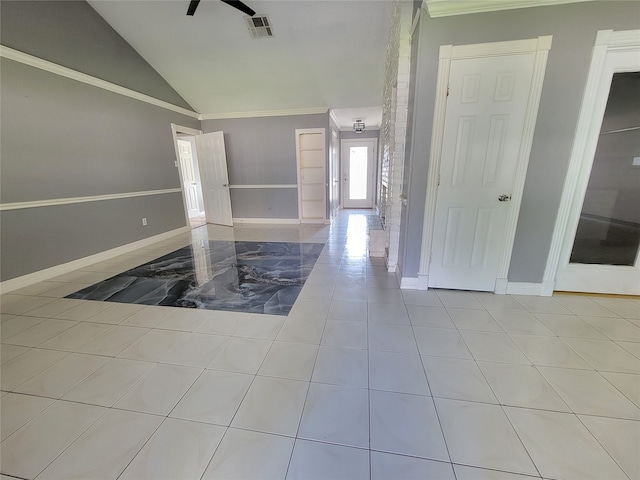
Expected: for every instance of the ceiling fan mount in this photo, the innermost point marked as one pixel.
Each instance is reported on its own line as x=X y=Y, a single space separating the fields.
x=193 y=5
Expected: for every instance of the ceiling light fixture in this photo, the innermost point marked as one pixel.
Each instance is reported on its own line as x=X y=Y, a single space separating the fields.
x=358 y=126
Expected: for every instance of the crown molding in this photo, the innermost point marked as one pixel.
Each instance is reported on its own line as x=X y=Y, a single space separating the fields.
x=447 y=8
x=26 y=59
x=263 y=113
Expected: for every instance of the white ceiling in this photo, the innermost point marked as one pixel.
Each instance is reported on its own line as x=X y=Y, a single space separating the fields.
x=325 y=54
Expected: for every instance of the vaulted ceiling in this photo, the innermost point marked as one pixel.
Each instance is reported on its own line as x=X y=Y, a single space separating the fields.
x=325 y=54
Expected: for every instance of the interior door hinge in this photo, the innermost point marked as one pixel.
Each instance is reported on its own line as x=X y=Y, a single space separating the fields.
x=430 y=257
x=438 y=181
x=447 y=90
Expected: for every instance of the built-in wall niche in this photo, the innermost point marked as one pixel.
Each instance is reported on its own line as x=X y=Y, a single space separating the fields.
x=312 y=184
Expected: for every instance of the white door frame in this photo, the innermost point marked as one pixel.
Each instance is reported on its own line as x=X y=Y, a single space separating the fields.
x=584 y=147
x=298 y=133
x=344 y=154
x=175 y=130
x=540 y=46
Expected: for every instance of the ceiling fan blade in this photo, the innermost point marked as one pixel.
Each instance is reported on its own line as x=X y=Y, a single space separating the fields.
x=240 y=6
x=192 y=7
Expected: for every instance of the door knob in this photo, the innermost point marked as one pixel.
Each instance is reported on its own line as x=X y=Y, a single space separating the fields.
x=504 y=198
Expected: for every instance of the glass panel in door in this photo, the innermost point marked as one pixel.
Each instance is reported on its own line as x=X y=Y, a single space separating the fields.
x=358 y=175
x=609 y=227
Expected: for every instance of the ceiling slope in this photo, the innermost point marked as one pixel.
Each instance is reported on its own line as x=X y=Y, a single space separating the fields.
x=324 y=53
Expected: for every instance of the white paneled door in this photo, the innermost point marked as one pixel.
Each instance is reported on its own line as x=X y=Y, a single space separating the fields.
x=214 y=177
x=483 y=133
x=188 y=177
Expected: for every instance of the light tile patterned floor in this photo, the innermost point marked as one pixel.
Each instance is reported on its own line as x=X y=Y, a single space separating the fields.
x=361 y=380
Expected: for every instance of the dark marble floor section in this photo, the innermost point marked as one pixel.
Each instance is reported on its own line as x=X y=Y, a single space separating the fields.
x=256 y=277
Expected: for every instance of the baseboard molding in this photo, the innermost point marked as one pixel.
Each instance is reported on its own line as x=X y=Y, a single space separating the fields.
x=522 y=288
x=276 y=221
x=409 y=283
x=51 y=272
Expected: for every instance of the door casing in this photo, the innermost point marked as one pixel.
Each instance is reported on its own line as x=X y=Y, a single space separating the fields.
x=540 y=46
x=613 y=52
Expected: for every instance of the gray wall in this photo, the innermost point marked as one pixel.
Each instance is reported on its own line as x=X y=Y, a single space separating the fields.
x=574 y=30
x=406 y=178
x=62 y=138
x=262 y=151
x=350 y=134
x=72 y=34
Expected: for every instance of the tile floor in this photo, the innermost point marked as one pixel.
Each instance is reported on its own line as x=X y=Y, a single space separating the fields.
x=360 y=380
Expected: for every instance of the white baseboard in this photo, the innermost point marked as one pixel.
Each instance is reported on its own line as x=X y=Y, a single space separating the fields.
x=423 y=282
x=548 y=286
x=276 y=221
x=501 y=286
x=409 y=283
x=522 y=288
x=42 y=275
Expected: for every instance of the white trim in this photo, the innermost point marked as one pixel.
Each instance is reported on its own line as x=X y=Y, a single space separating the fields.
x=522 y=288
x=415 y=23
x=445 y=8
x=95 y=198
x=409 y=283
x=522 y=163
x=263 y=113
x=437 y=135
x=282 y=185
x=311 y=131
x=423 y=282
x=540 y=46
x=48 y=273
x=501 y=286
x=584 y=145
x=332 y=116
x=26 y=59
x=276 y=221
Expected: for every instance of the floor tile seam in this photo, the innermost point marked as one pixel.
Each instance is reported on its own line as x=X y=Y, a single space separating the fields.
x=606 y=450
x=576 y=416
x=563 y=340
x=524 y=446
x=74 y=440
x=601 y=373
x=306 y=397
x=141 y=447
x=39 y=371
x=571 y=408
x=526 y=475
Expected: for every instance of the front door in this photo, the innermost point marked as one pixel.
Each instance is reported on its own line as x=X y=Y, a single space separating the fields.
x=483 y=132
x=358 y=172
x=214 y=177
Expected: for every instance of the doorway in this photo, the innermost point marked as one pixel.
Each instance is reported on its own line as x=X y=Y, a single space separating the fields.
x=486 y=108
x=601 y=245
x=208 y=175
x=191 y=180
x=358 y=172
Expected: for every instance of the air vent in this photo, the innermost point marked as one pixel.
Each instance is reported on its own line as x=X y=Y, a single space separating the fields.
x=259 y=26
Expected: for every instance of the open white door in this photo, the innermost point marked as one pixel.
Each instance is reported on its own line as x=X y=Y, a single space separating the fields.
x=214 y=177
x=188 y=178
